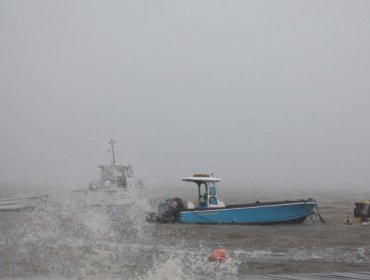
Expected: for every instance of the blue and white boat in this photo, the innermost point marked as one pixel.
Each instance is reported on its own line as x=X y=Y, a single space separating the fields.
x=209 y=209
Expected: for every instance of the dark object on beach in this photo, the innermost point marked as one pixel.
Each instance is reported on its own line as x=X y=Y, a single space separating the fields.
x=362 y=211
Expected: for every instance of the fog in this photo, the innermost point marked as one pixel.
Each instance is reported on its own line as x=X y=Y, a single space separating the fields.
x=271 y=94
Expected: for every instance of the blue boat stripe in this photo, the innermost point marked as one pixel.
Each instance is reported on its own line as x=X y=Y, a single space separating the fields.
x=213 y=221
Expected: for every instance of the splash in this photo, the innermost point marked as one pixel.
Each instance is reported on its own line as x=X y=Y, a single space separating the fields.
x=171 y=269
x=94 y=235
x=185 y=264
x=73 y=235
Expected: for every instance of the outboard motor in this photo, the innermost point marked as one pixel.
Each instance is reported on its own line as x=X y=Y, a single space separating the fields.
x=362 y=211
x=168 y=211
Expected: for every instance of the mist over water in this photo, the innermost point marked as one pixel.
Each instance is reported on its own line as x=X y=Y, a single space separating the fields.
x=273 y=93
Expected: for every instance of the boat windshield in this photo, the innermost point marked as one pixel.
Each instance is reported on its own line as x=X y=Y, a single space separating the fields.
x=212 y=189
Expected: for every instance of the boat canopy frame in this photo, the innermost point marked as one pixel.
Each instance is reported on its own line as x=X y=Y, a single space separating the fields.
x=205 y=180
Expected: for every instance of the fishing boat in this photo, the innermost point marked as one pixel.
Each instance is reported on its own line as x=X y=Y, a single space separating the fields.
x=209 y=209
x=115 y=176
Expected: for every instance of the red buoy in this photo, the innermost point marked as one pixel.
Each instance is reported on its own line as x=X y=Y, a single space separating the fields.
x=218 y=255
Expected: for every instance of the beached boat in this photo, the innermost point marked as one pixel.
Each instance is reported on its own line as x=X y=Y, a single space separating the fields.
x=210 y=210
x=19 y=203
x=115 y=177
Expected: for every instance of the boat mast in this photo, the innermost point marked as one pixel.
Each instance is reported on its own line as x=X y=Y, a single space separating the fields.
x=112 y=142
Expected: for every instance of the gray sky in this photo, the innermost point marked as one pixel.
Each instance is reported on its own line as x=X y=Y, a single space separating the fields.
x=262 y=93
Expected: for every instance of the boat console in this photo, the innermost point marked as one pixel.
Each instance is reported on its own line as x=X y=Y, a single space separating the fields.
x=207 y=191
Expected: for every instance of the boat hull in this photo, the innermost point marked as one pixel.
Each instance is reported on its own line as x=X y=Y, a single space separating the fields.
x=256 y=213
x=15 y=204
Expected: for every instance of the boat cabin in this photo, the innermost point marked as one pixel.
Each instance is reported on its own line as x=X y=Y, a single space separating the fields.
x=207 y=191
x=115 y=175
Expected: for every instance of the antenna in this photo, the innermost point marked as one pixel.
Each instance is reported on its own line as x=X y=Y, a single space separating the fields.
x=112 y=142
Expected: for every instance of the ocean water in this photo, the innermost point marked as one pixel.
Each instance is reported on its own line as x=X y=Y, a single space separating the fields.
x=82 y=235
